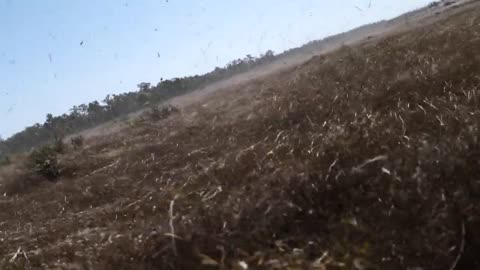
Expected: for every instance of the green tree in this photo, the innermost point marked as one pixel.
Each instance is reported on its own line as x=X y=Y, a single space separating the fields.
x=144 y=86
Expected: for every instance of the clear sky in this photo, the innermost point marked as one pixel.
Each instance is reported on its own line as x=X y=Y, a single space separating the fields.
x=44 y=69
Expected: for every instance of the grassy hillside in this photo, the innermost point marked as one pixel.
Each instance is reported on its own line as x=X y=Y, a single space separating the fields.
x=368 y=156
x=85 y=117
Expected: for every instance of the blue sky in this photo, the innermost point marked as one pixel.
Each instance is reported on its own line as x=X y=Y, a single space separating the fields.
x=44 y=69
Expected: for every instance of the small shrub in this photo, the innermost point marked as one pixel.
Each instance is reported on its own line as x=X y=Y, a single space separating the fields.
x=156 y=114
x=123 y=118
x=433 y=4
x=77 y=142
x=168 y=110
x=4 y=161
x=44 y=161
x=59 y=146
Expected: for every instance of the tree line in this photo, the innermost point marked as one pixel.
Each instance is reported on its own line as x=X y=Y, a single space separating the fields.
x=86 y=116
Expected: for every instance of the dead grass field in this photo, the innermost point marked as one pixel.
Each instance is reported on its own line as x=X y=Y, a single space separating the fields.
x=364 y=158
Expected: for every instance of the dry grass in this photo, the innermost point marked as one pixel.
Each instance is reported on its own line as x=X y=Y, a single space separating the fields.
x=367 y=156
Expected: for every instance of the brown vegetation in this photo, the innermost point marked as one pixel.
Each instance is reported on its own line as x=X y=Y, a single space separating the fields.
x=368 y=156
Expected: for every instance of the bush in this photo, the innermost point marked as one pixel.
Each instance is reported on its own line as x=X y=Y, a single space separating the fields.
x=59 y=146
x=44 y=161
x=168 y=110
x=77 y=142
x=4 y=161
x=433 y=4
x=156 y=113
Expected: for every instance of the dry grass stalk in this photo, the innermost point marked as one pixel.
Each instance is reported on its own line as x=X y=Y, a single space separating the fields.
x=172 y=227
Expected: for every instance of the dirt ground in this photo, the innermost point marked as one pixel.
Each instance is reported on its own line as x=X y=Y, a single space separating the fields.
x=366 y=157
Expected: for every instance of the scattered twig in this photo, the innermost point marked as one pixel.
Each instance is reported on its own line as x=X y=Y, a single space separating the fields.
x=404 y=129
x=423 y=109
x=172 y=227
x=462 y=248
x=310 y=121
x=330 y=168
x=27 y=260
x=173 y=236
x=19 y=250
x=212 y=194
x=106 y=167
x=369 y=161
x=139 y=200
x=278 y=135
x=429 y=103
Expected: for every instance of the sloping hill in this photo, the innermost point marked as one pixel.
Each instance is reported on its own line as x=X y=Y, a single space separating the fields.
x=296 y=56
x=367 y=156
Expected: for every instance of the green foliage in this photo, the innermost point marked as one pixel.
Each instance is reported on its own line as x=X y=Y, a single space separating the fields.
x=86 y=116
x=77 y=142
x=44 y=162
x=433 y=4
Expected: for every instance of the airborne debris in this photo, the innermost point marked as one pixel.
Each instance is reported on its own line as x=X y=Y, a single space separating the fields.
x=204 y=188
